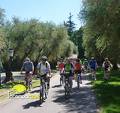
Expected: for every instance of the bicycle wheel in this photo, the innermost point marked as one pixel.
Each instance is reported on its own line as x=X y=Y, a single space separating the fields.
x=67 y=88
x=45 y=90
x=41 y=90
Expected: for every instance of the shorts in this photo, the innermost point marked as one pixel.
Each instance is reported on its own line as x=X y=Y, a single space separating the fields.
x=77 y=71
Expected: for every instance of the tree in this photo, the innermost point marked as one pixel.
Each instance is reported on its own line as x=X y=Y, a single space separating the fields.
x=70 y=25
x=101 y=30
x=78 y=40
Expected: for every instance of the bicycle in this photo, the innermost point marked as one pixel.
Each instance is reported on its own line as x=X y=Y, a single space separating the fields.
x=79 y=80
x=28 y=80
x=61 y=79
x=93 y=73
x=68 y=85
x=107 y=74
x=43 y=88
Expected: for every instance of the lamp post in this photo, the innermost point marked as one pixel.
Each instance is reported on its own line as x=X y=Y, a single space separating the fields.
x=0 y=67
x=10 y=53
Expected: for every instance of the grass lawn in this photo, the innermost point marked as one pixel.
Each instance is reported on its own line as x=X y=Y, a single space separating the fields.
x=5 y=88
x=108 y=92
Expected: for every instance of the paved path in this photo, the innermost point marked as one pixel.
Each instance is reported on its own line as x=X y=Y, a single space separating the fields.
x=81 y=101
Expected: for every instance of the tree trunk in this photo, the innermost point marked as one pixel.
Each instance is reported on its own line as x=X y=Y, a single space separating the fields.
x=8 y=71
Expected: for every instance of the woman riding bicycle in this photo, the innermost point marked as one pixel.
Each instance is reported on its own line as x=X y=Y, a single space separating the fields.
x=107 y=65
x=44 y=69
x=28 y=67
x=77 y=70
x=68 y=72
x=61 y=70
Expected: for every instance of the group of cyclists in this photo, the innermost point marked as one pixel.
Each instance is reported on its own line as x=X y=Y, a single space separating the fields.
x=74 y=68
x=43 y=70
x=68 y=69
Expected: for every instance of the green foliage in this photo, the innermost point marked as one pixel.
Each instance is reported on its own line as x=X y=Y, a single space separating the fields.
x=34 y=39
x=101 y=30
x=2 y=33
x=78 y=40
x=70 y=26
x=107 y=93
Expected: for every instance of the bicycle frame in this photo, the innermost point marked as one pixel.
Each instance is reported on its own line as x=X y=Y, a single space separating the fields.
x=78 y=80
x=67 y=87
x=93 y=73
x=43 y=89
x=28 y=80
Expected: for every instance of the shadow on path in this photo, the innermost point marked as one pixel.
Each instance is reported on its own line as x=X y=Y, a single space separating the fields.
x=32 y=104
x=80 y=101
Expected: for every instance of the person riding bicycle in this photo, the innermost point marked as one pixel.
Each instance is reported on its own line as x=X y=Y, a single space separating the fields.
x=68 y=71
x=85 y=63
x=77 y=69
x=93 y=66
x=44 y=70
x=61 y=70
x=28 y=67
x=107 y=65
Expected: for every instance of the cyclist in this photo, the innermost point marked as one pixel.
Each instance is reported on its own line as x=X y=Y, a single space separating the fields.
x=107 y=65
x=61 y=69
x=93 y=66
x=68 y=70
x=28 y=67
x=44 y=70
x=77 y=70
x=85 y=63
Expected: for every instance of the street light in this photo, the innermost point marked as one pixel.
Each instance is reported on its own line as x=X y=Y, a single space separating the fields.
x=0 y=67
x=10 y=54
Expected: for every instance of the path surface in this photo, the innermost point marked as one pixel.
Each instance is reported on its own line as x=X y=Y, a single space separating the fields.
x=81 y=101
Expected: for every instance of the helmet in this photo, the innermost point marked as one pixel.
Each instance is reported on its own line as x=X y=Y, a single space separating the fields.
x=27 y=59
x=106 y=58
x=44 y=58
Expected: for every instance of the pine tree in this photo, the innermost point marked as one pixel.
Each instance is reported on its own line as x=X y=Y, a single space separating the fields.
x=70 y=25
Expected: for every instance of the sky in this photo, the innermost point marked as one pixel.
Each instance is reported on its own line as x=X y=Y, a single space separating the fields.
x=56 y=11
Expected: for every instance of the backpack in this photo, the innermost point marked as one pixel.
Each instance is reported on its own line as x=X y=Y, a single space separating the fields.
x=77 y=66
x=107 y=65
x=28 y=66
x=46 y=64
x=92 y=63
x=68 y=67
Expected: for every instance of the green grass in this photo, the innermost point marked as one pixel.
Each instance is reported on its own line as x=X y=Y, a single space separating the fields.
x=5 y=88
x=108 y=92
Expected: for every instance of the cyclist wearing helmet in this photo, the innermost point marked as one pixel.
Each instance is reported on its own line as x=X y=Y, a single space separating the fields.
x=69 y=70
x=77 y=69
x=44 y=69
x=93 y=66
x=61 y=70
x=28 y=67
x=107 y=65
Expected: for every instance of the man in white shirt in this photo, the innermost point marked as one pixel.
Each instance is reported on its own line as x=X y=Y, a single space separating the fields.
x=44 y=69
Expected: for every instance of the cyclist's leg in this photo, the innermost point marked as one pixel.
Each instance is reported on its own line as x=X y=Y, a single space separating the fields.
x=60 y=79
x=71 y=80
x=46 y=86
x=106 y=75
x=29 y=81
x=26 y=81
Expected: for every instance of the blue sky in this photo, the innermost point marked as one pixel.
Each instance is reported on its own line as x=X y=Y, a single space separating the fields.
x=56 y=11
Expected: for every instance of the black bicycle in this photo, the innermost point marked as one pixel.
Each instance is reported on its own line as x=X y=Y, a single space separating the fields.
x=43 y=88
x=67 y=85
x=61 y=78
x=79 y=81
